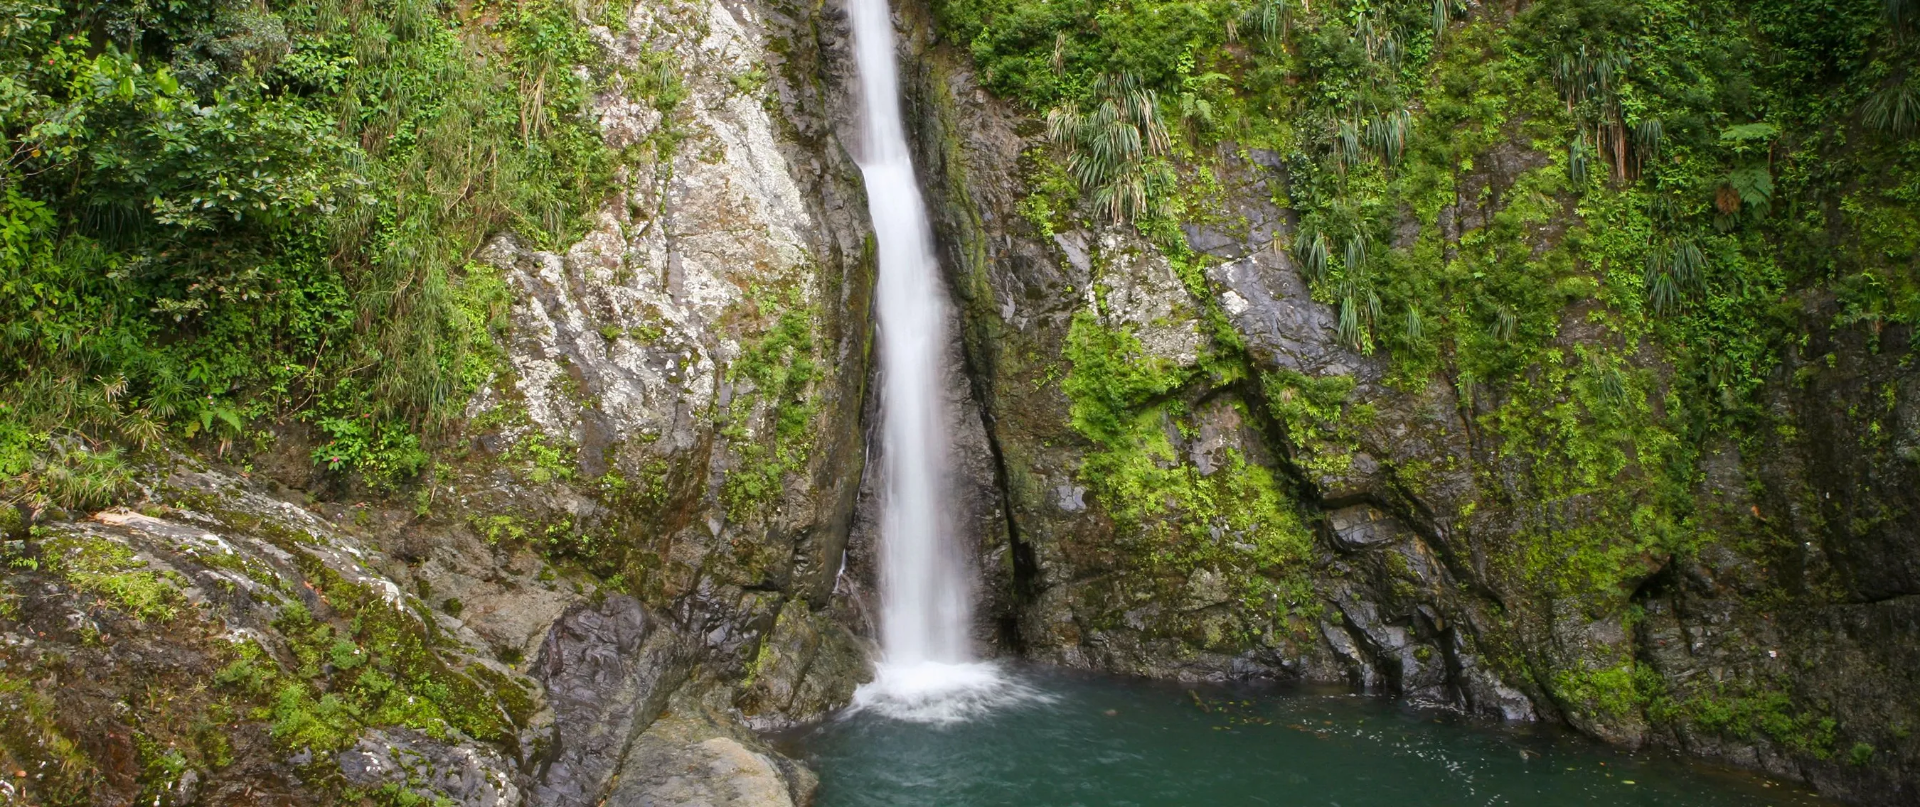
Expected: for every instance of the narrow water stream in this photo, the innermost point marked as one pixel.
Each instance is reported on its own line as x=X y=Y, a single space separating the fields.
x=1105 y=741
x=926 y=670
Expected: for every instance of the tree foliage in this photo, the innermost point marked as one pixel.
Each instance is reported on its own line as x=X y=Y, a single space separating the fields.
x=214 y=212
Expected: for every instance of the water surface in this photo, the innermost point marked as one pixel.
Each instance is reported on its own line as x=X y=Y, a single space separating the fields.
x=1105 y=741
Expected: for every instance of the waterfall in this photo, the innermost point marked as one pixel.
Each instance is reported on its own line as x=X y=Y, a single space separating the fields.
x=924 y=614
x=926 y=671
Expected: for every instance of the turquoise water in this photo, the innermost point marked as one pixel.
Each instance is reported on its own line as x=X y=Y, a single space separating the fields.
x=1105 y=741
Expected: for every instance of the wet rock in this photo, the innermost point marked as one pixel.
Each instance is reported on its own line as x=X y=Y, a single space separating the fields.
x=465 y=774
x=1363 y=527
x=690 y=757
x=807 y=666
x=608 y=669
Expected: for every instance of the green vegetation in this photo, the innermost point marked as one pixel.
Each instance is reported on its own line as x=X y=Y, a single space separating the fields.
x=31 y=739
x=1175 y=520
x=1598 y=222
x=217 y=213
x=109 y=570
x=781 y=366
x=371 y=664
x=1748 y=710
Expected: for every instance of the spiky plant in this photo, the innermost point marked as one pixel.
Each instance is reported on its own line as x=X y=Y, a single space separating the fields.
x=1664 y=210
x=1608 y=382
x=1673 y=272
x=1356 y=253
x=1648 y=136
x=1347 y=139
x=1388 y=133
x=1579 y=158
x=72 y=476
x=1444 y=12
x=1661 y=291
x=1268 y=20
x=1359 y=309
x=1894 y=109
x=1898 y=13
x=1109 y=146
x=1688 y=264
x=1381 y=39
x=1312 y=251
x=1505 y=323
x=1584 y=75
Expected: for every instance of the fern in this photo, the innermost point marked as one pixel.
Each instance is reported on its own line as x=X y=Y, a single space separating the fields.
x=1754 y=186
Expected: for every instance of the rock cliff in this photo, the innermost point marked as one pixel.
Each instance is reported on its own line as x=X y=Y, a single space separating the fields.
x=654 y=532
x=1205 y=481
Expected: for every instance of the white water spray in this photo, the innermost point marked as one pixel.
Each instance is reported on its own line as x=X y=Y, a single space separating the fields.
x=927 y=671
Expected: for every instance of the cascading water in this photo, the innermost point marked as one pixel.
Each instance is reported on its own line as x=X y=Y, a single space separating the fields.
x=927 y=671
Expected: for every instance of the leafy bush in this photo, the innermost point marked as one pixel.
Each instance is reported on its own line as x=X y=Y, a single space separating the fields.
x=216 y=212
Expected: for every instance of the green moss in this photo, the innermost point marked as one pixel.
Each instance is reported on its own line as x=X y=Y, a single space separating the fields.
x=541 y=460
x=374 y=663
x=31 y=739
x=499 y=529
x=781 y=366
x=411 y=794
x=1112 y=380
x=110 y=570
x=1051 y=196
x=1322 y=425
x=1746 y=710
x=1606 y=694
x=1171 y=520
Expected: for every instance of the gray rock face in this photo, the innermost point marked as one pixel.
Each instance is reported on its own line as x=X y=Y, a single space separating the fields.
x=689 y=377
x=704 y=347
x=227 y=563
x=690 y=758
x=1019 y=292
x=608 y=668
x=1417 y=503
x=467 y=775
x=677 y=416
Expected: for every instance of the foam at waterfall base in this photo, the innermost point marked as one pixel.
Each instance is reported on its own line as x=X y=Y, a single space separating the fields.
x=937 y=692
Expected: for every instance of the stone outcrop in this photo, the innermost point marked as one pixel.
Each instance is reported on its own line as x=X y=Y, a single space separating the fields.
x=646 y=512
x=1417 y=509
